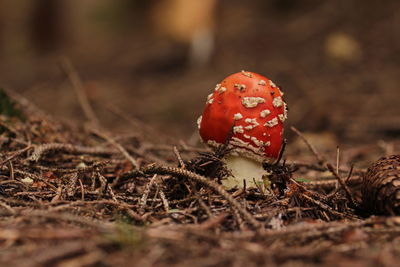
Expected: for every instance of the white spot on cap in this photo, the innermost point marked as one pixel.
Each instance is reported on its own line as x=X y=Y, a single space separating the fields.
x=241 y=87
x=285 y=111
x=213 y=143
x=221 y=90
x=240 y=143
x=253 y=123
x=258 y=143
x=199 y=121
x=251 y=102
x=265 y=113
x=243 y=152
x=272 y=122
x=246 y=136
x=262 y=82
x=282 y=117
x=277 y=102
x=238 y=129
x=217 y=87
x=246 y=149
x=239 y=147
x=210 y=100
x=248 y=74
x=282 y=93
x=272 y=84
x=237 y=116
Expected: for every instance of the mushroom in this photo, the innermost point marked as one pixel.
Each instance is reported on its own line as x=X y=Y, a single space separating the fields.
x=246 y=111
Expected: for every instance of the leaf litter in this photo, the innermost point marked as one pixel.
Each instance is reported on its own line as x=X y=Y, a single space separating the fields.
x=78 y=196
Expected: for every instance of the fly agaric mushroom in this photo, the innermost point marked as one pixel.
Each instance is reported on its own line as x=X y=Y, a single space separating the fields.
x=246 y=111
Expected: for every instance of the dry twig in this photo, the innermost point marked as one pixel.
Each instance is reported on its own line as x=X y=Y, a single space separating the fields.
x=16 y=154
x=154 y=169
x=328 y=166
x=118 y=146
x=41 y=150
x=143 y=200
x=77 y=84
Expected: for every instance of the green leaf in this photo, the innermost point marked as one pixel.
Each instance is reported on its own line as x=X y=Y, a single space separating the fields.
x=303 y=180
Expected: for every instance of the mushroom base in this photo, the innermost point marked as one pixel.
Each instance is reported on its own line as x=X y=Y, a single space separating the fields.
x=244 y=169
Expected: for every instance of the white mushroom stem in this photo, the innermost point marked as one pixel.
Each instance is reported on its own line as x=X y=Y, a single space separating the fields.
x=244 y=169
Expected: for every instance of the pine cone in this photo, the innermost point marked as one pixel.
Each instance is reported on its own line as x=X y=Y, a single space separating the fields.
x=381 y=186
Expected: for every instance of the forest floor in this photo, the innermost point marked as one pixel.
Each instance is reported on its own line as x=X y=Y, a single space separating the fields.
x=78 y=194
x=75 y=195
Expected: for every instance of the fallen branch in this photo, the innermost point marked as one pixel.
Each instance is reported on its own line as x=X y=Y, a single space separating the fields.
x=41 y=150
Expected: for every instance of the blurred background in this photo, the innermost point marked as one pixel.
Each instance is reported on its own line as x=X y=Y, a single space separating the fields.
x=155 y=61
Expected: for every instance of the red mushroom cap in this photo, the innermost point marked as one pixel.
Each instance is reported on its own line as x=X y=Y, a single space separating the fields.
x=250 y=109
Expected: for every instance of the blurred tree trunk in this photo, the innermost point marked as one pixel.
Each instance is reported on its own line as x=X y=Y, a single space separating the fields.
x=47 y=28
x=1 y=28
